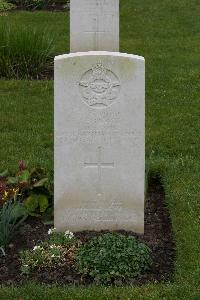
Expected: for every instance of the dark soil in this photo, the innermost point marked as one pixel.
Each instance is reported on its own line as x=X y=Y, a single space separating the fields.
x=54 y=8
x=158 y=236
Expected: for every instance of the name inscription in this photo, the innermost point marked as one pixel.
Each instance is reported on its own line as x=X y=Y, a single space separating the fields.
x=97 y=137
x=99 y=215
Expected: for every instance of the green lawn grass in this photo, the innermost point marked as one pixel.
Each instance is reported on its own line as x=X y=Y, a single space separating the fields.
x=166 y=33
x=26 y=123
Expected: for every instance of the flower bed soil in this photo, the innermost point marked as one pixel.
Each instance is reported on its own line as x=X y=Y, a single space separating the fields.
x=54 y=8
x=158 y=236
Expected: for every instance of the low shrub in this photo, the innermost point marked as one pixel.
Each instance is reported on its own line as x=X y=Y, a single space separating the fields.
x=58 y=251
x=12 y=215
x=25 y=52
x=112 y=257
x=5 y=6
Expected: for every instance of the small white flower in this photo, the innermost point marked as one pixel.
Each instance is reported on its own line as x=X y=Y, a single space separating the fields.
x=53 y=246
x=69 y=234
x=51 y=230
x=55 y=256
x=36 y=248
x=26 y=266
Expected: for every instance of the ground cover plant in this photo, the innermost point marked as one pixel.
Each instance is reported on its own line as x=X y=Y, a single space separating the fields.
x=105 y=258
x=166 y=34
x=113 y=256
x=58 y=251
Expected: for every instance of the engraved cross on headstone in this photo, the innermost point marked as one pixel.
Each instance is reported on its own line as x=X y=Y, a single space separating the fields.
x=96 y=32
x=99 y=164
x=94 y=25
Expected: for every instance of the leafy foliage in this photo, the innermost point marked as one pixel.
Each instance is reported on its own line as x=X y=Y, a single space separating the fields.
x=5 y=6
x=25 y=52
x=40 y=257
x=34 y=202
x=31 y=187
x=58 y=238
x=31 y=4
x=113 y=256
x=12 y=215
x=39 y=4
x=59 y=249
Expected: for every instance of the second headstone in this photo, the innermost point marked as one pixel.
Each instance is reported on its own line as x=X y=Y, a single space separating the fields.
x=94 y=25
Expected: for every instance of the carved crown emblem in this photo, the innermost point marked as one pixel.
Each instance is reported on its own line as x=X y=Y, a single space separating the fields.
x=99 y=71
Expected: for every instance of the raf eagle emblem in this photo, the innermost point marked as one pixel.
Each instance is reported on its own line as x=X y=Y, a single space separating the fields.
x=99 y=86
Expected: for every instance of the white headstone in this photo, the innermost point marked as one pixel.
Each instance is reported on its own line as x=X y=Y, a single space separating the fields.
x=99 y=141
x=94 y=25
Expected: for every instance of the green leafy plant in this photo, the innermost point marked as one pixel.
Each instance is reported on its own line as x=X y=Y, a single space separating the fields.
x=25 y=52
x=113 y=256
x=39 y=257
x=12 y=215
x=66 y=239
x=59 y=249
x=36 y=202
x=31 y=187
x=5 y=6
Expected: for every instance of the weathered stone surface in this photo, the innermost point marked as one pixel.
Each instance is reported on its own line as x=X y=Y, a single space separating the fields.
x=99 y=141
x=94 y=25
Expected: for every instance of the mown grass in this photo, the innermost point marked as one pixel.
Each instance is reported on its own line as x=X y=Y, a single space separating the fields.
x=56 y=23
x=166 y=33
x=26 y=123
x=159 y=292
